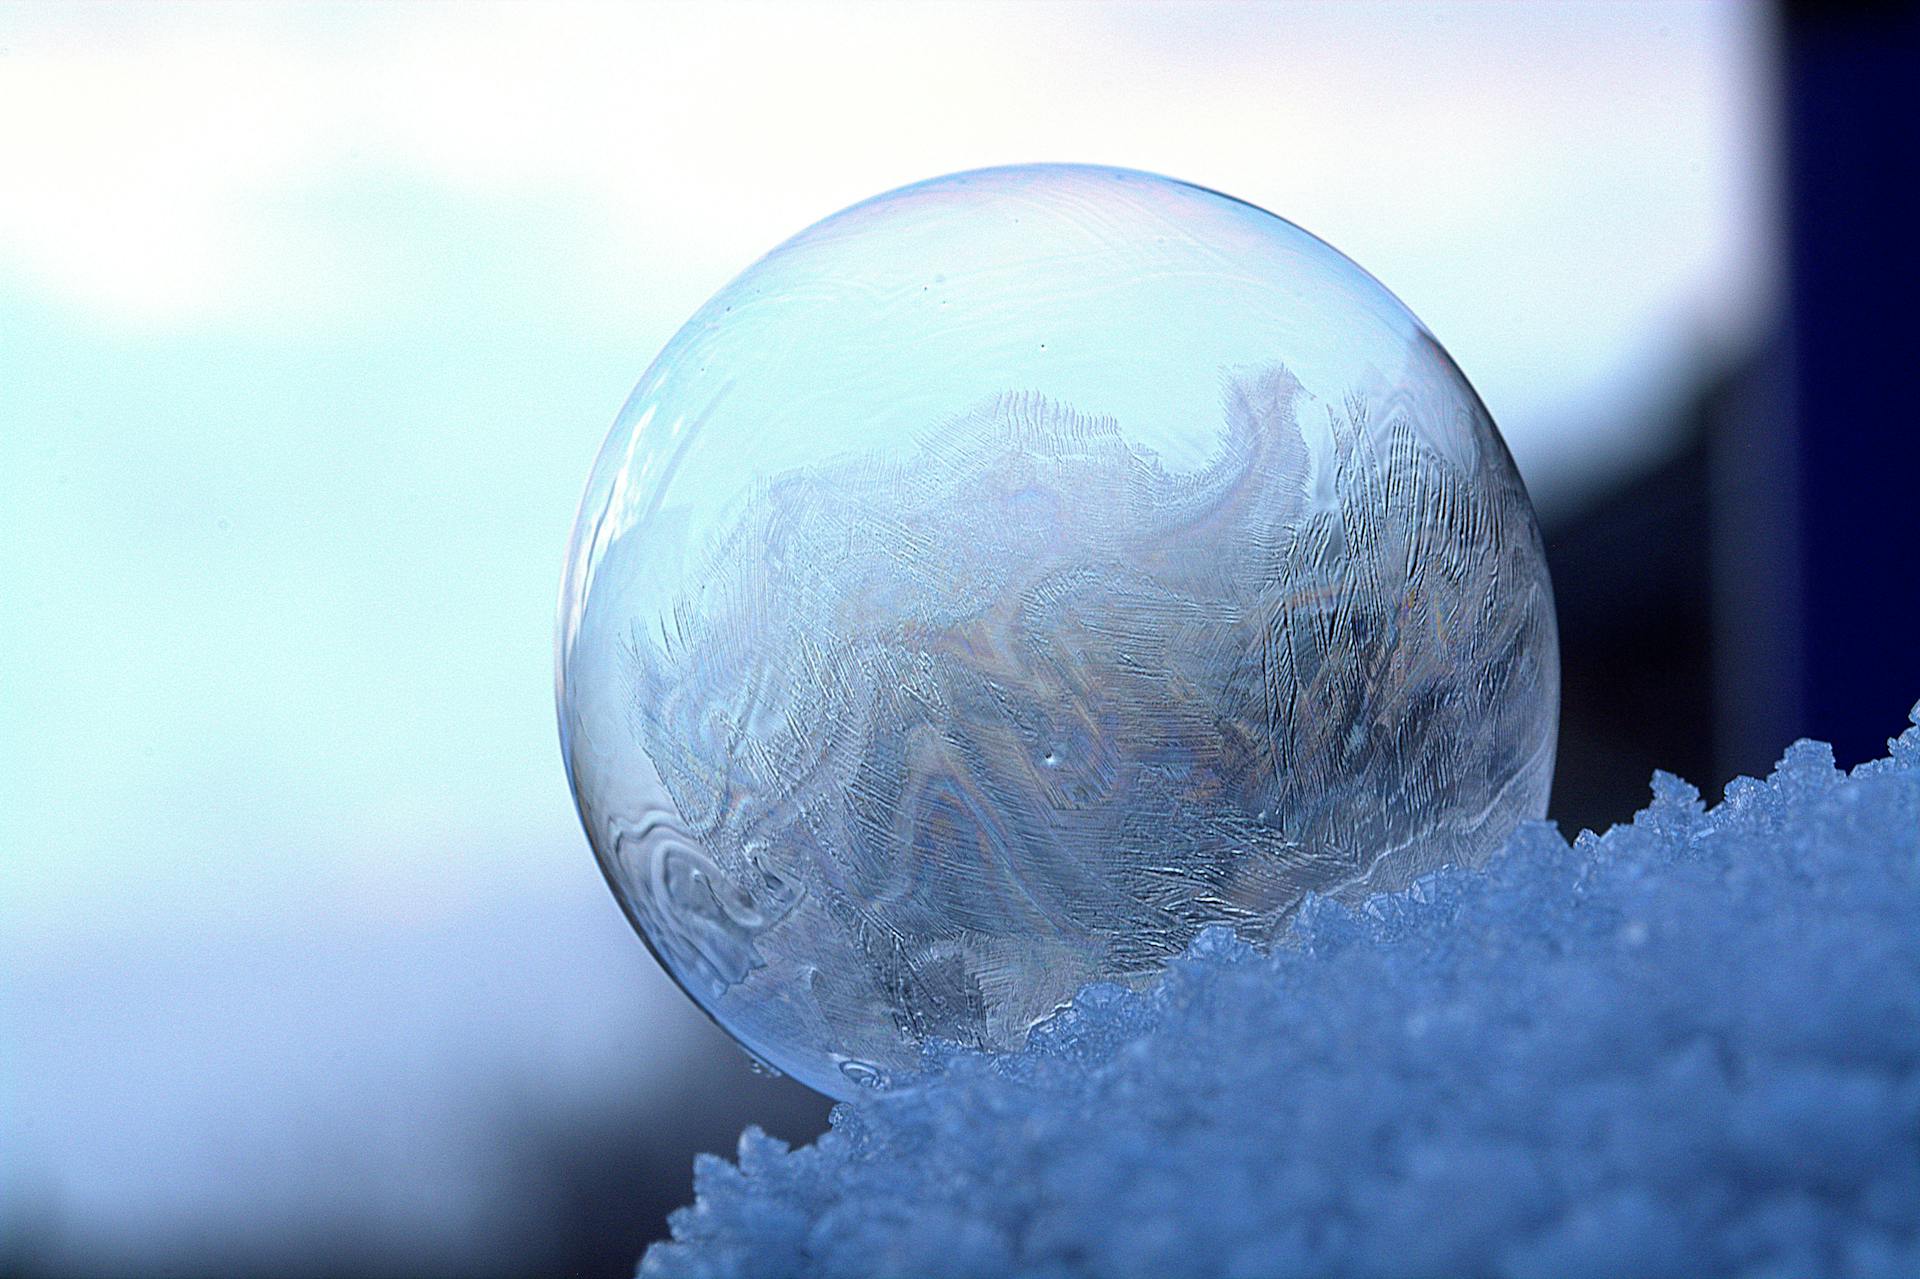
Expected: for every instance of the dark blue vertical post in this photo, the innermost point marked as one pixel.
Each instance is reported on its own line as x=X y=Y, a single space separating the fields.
x=1852 y=106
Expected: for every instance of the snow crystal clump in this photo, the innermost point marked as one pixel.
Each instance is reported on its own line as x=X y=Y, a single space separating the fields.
x=1689 y=1046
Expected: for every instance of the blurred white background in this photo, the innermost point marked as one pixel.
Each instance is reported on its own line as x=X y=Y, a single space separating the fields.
x=311 y=320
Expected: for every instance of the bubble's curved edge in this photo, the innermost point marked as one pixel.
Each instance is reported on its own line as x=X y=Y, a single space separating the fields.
x=576 y=582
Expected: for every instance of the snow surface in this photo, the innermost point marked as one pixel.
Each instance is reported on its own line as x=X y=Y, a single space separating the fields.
x=1690 y=1046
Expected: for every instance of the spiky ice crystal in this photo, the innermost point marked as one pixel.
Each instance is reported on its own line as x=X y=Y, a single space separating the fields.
x=1689 y=1046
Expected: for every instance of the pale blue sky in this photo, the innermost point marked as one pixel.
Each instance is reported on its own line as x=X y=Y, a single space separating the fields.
x=310 y=319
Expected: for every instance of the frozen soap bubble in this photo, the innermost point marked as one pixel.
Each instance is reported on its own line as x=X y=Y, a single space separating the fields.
x=1011 y=575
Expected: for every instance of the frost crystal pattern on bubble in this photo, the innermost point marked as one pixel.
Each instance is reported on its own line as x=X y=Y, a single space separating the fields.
x=1036 y=710
x=1011 y=576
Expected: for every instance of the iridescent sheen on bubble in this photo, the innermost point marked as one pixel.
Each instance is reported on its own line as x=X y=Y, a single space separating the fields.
x=1013 y=574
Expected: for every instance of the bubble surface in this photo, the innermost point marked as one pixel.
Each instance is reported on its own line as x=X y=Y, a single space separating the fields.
x=1014 y=574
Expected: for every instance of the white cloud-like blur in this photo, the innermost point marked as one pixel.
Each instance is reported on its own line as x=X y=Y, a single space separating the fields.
x=1567 y=194
x=311 y=318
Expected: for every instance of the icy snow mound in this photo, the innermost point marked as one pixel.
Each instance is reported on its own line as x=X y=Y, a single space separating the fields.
x=1689 y=1046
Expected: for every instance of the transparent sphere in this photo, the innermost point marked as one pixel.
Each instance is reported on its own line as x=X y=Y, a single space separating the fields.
x=1011 y=575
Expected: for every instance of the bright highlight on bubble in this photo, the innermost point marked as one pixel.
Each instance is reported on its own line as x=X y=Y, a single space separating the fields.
x=1012 y=575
